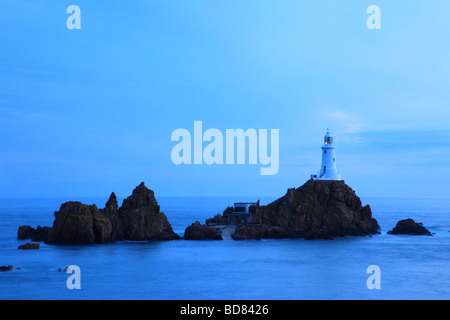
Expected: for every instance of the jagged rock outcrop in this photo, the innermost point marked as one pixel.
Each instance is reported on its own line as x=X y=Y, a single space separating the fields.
x=197 y=231
x=111 y=213
x=316 y=210
x=409 y=226
x=139 y=218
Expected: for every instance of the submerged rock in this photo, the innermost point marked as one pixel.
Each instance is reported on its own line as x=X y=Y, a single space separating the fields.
x=139 y=218
x=316 y=210
x=197 y=231
x=409 y=226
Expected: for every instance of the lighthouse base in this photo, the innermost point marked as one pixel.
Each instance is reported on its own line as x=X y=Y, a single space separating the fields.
x=334 y=177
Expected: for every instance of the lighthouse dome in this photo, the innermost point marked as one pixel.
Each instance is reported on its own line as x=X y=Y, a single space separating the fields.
x=328 y=139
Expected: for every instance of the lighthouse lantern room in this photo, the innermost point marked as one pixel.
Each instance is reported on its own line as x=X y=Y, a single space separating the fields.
x=328 y=170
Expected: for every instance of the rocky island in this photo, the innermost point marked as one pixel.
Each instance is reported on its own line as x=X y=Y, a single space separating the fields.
x=319 y=209
x=410 y=227
x=139 y=218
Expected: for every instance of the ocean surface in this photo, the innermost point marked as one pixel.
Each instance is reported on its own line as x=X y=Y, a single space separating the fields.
x=412 y=267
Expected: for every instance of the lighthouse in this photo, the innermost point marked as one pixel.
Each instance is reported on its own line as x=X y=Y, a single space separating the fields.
x=328 y=170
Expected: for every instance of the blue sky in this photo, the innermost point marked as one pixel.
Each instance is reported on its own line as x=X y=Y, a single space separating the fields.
x=86 y=112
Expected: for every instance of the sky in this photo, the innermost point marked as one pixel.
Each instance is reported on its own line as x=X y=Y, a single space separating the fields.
x=90 y=111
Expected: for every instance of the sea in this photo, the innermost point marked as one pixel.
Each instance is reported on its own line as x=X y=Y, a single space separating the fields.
x=410 y=267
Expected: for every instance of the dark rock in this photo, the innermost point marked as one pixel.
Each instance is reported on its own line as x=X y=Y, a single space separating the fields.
x=139 y=218
x=216 y=220
x=316 y=210
x=38 y=234
x=25 y=232
x=111 y=212
x=41 y=233
x=220 y=219
x=63 y=270
x=73 y=224
x=6 y=268
x=238 y=237
x=409 y=226
x=102 y=228
x=29 y=245
x=235 y=236
x=197 y=231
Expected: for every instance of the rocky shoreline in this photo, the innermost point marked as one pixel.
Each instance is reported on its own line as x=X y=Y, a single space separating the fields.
x=316 y=210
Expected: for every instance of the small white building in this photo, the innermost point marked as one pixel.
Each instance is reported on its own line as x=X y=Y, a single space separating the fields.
x=243 y=213
x=328 y=170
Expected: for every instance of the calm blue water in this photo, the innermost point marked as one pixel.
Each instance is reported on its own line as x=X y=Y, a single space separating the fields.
x=411 y=267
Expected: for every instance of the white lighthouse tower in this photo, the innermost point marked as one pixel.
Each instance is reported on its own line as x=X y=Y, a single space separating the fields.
x=328 y=171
